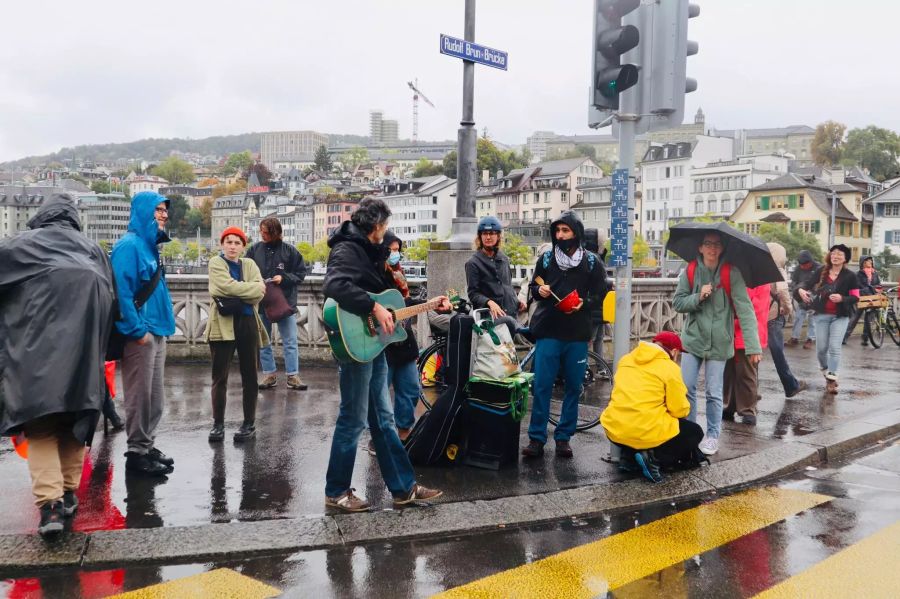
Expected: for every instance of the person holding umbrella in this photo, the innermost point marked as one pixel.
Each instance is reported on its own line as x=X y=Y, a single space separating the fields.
x=711 y=292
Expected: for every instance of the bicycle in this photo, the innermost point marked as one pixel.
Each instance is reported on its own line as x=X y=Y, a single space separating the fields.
x=881 y=319
x=595 y=392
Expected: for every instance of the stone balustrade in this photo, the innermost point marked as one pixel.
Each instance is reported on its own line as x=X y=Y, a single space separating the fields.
x=651 y=312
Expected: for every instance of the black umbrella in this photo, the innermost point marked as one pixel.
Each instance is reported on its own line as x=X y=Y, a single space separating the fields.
x=746 y=253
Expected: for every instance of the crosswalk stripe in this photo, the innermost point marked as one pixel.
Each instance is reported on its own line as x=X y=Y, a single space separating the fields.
x=595 y=568
x=215 y=584
x=865 y=569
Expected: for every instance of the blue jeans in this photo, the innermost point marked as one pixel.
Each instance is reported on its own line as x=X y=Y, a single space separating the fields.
x=776 y=348
x=365 y=399
x=405 y=379
x=287 y=328
x=549 y=354
x=801 y=314
x=831 y=331
x=714 y=374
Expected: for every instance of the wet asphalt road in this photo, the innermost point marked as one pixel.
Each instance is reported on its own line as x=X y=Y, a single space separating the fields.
x=863 y=497
x=281 y=473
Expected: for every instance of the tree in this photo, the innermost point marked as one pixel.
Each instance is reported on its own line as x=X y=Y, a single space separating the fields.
x=587 y=150
x=100 y=187
x=354 y=157
x=874 y=148
x=192 y=252
x=206 y=213
x=172 y=250
x=425 y=168
x=828 y=143
x=514 y=247
x=640 y=252
x=306 y=250
x=174 y=170
x=239 y=162
x=193 y=219
x=208 y=182
x=449 y=164
x=321 y=251
x=322 y=160
x=793 y=241
x=224 y=190
x=178 y=209
x=883 y=261
x=418 y=250
x=262 y=173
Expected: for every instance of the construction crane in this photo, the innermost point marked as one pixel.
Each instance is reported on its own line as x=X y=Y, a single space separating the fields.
x=414 y=86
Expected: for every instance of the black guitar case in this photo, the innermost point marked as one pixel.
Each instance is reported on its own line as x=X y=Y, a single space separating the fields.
x=439 y=428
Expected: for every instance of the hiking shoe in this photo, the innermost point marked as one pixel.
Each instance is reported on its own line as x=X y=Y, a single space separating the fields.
x=269 y=381
x=70 y=503
x=808 y=343
x=801 y=386
x=793 y=341
x=348 y=502
x=217 y=433
x=534 y=449
x=160 y=457
x=294 y=382
x=748 y=419
x=563 y=449
x=417 y=493
x=648 y=466
x=52 y=515
x=142 y=463
x=247 y=431
x=709 y=446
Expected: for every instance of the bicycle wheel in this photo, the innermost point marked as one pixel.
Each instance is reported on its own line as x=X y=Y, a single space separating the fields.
x=874 y=327
x=431 y=373
x=595 y=390
x=892 y=326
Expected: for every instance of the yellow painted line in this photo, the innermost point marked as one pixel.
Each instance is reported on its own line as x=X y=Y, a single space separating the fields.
x=215 y=584
x=866 y=569
x=593 y=569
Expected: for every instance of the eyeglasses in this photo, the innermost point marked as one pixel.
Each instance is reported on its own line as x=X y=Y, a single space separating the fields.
x=490 y=232
x=712 y=244
x=162 y=210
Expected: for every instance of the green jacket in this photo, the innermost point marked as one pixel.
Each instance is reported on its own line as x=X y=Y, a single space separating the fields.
x=708 y=331
x=221 y=284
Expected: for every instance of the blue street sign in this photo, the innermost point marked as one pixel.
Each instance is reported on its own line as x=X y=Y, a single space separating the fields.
x=452 y=46
x=618 y=225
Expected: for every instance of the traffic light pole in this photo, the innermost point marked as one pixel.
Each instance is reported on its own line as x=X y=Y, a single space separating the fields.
x=622 y=326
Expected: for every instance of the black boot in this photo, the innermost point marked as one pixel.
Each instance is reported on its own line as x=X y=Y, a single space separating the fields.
x=110 y=414
x=247 y=431
x=217 y=433
x=142 y=463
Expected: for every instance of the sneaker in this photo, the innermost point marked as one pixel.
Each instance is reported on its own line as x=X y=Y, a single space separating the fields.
x=417 y=493
x=709 y=446
x=294 y=382
x=217 y=433
x=268 y=381
x=563 y=449
x=648 y=466
x=627 y=463
x=247 y=431
x=348 y=502
x=831 y=385
x=70 y=503
x=160 y=457
x=51 y=520
x=142 y=463
x=801 y=386
x=793 y=341
x=808 y=343
x=534 y=449
x=748 y=419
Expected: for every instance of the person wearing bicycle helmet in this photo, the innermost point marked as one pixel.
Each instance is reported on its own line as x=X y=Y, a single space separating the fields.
x=489 y=274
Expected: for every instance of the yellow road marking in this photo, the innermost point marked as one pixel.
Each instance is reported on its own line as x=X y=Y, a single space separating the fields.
x=215 y=584
x=593 y=569
x=866 y=569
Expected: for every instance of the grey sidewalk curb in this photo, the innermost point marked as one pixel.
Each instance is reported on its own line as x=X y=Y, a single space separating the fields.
x=243 y=539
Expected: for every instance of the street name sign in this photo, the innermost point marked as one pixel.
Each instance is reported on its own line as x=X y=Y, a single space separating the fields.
x=452 y=46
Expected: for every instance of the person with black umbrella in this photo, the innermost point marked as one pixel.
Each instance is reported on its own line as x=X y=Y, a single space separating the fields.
x=711 y=292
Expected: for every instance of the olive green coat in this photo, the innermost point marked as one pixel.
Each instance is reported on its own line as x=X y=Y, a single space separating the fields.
x=708 y=330
x=221 y=284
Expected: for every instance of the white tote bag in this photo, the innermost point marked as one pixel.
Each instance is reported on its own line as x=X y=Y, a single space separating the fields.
x=493 y=351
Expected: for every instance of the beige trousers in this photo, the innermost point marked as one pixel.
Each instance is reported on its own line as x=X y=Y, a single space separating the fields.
x=55 y=457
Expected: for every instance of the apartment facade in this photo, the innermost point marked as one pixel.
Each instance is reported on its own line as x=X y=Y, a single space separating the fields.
x=718 y=188
x=289 y=146
x=421 y=208
x=104 y=217
x=886 y=225
x=139 y=183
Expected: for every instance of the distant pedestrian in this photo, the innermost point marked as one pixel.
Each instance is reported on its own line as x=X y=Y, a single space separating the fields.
x=137 y=266
x=280 y=264
x=779 y=310
x=802 y=275
x=708 y=333
x=234 y=327
x=832 y=295
x=56 y=313
x=869 y=282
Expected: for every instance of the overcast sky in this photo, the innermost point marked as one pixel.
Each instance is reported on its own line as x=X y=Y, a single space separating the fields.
x=99 y=71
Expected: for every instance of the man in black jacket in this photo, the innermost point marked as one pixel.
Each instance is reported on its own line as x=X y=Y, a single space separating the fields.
x=802 y=275
x=280 y=264
x=562 y=336
x=489 y=275
x=356 y=268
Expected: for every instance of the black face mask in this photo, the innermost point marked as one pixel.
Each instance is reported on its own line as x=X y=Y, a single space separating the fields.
x=567 y=245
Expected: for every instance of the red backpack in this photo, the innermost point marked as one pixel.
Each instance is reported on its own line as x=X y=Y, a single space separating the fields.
x=724 y=276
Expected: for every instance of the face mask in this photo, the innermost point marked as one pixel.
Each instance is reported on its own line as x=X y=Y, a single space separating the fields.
x=394 y=258
x=567 y=244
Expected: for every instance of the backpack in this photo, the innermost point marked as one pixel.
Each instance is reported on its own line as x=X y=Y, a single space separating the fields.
x=591 y=259
x=724 y=276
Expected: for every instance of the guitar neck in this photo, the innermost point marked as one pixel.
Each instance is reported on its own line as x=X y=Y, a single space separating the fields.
x=409 y=312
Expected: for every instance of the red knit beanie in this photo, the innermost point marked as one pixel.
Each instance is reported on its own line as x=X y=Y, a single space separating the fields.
x=233 y=231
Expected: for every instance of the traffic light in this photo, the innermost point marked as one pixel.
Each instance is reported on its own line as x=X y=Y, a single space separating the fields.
x=668 y=59
x=611 y=40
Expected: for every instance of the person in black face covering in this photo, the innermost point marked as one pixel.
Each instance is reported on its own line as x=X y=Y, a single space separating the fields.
x=562 y=331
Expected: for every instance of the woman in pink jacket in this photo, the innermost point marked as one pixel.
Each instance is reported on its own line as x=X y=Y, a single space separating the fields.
x=740 y=388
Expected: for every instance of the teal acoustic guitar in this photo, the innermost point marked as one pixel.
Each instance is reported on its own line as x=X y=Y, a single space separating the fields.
x=360 y=338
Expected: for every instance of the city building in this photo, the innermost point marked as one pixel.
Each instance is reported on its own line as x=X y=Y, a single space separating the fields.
x=666 y=182
x=104 y=216
x=382 y=130
x=195 y=196
x=718 y=188
x=233 y=211
x=537 y=144
x=294 y=183
x=795 y=140
x=421 y=208
x=329 y=213
x=139 y=183
x=594 y=207
x=19 y=203
x=886 y=225
x=804 y=204
x=289 y=146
